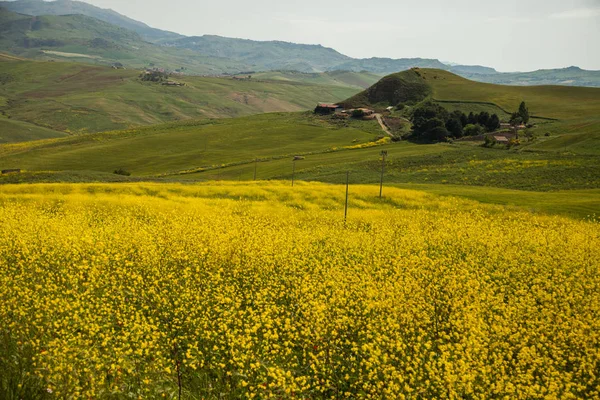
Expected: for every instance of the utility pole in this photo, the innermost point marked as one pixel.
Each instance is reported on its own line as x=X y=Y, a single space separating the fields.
x=347 y=192
x=384 y=154
x=255 y=167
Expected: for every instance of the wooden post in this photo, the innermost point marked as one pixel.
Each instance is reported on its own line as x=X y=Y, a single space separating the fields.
x=255 y=167
x=293 y=171
x=347 y=192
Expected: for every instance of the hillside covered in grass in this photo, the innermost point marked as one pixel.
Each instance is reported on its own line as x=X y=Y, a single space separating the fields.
x=561 y=111
x=178 y=147
x=80 y=98
x=93 y=41
x=359 y=80
x=263 y=146
x=69 y=7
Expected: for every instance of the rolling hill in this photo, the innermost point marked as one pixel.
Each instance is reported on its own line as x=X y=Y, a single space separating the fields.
x=575 y=110
x=186 y=152
x=68 y=7
x=565 y=165
x=178 y=147
x=260 y=56
x=51 y=30
x=13 y=131
x=86 y=39
x=572 y=76
x=226 y=149
x=79 y=98
x=359 y=80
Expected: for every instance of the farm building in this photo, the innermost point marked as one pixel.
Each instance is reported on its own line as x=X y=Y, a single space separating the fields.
x=501 y=139
x=326 y=108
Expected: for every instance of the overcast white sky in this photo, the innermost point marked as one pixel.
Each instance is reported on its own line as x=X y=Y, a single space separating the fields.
x=510 y=35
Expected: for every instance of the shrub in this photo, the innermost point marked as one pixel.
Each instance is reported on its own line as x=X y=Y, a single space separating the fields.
x=473 y=130
x=358 y=113
x=489 y=141
x=121 y=171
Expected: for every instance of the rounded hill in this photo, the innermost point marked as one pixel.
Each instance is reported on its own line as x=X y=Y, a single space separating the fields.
x=402 y=87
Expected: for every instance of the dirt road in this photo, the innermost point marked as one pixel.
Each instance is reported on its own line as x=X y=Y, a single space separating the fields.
x=383 y=125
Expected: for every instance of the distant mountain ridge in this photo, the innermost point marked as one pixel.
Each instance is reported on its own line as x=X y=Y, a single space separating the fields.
x=69 y=7
x=210 y=54
x=271 y=55
x=570 y=76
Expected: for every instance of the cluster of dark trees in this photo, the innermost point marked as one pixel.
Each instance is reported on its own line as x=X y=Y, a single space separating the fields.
x=154 y=76
x=432 y=122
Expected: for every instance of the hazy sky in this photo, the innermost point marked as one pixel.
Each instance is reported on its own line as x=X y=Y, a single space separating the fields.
x=509 y=35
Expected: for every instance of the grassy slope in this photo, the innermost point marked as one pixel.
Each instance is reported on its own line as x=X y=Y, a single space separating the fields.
x=575 y=203
x=67 y=7
x=102 y=43
x=12 y=131
x=574 y=111
x=565 y=103
x=360 y=80
x=576 y=108
x=177 y=147
x=165 y=152
x=82 y=98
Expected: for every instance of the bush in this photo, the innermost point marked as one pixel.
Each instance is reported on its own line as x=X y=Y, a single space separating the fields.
x=438 y=133
x=121 y=171
x=489 y=141
x=455 y=127
x=473 y=130
x=358 y=113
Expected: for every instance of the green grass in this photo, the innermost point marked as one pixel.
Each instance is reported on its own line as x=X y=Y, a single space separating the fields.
x=225 y=149
x=439 y=164
x=12 y=131
x=103 y=42
x=560 y=102
x=475 y=108
x=184 y=146
x=80 y=98
x=556 y=110
x=573 y=203
x=359 y=80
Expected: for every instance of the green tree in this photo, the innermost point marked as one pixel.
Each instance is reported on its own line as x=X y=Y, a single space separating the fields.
x=483 y=118
x=473 y=130
x=426 y=117
x=524 y=112
x=493 y=123
x=515 y=122
x=455 y=127
x=471 y=119
x=439 y=133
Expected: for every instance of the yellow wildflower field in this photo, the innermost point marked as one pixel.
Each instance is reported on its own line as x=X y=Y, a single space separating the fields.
x=260 y=290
